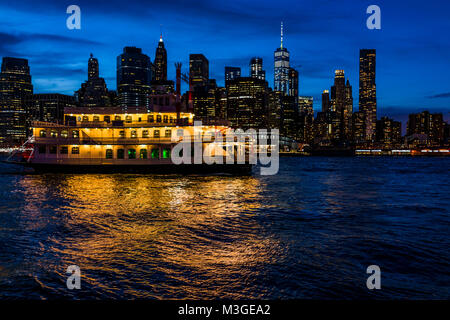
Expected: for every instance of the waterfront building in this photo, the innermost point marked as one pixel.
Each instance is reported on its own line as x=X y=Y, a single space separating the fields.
x=134 y=76
x=388 y=132
x=368 y=91
x=281 y=71
x=16 y=92
x=256 y=68
x=429 y=124
x=93 y=92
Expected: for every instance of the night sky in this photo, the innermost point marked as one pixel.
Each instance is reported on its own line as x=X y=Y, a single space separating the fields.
x=413 y=47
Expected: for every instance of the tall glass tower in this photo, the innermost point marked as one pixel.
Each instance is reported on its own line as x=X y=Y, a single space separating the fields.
x=281 y=74
x=134 y=74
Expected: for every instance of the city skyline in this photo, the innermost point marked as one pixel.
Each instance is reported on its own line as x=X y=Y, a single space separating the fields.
x=64 y=69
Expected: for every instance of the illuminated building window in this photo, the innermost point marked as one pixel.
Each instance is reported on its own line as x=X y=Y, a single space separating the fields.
x=168 y=133
x=150 y=119
x=128 y=119
x=134 y=134
x=143 y=154
x=109 y=154
x=107 y=119
x=75 y=150
x=53 y=149
x=42 y=149
x=158 y=118
x=145 y=134
x=64 y=150
x=120 y=153
x=64 y=134
x=42 y=133
x=166 y=153
x=155 y=153
x=75 y=134
x=166 y=119
x=131 y=154
x=156 y=134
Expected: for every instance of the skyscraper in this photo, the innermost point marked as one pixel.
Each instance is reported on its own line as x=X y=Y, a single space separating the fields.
x=134 y=75
x=16 y=93
x=326 y=104
x=198 y=71
x=281 y=74
x=368 y=91
x=293 y=83
x=49 y=107
x=256 y=70
x=247 y=102
x=160 y=61
x=93 y=92
x=232 y=73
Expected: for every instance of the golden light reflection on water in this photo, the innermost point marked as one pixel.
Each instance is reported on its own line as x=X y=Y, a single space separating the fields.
x=161 y=234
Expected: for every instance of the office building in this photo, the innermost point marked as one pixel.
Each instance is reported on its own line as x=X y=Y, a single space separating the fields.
x=134 y=76
x=16 y=92
x=368 y=91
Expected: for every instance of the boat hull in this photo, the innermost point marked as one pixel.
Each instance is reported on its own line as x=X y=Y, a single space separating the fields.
x=238 y=169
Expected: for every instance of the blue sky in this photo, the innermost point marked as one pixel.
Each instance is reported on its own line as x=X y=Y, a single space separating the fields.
x=413 y=47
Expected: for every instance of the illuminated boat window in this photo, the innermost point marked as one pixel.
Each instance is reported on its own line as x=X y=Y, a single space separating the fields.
x=158 y=118
x=166 y=119
x=134 y=134
x=117 y=118
x=121 y=134
x=120 y=153
x=168 y=133
x=156 y=134
x=64 y=134
x=145 y=134
x=53 y=149
x=131 y=154
x=75 y=134
x=128 y=119
x=75 y=150
x=155 y=153
x=96 y=118
x=150 y=119
x=64 y=150
x=42 y=133
x=143 y=154
x=109 y=154
x=107 y=119
x=85 y=118
x=180 y=132
x=54 y=134
x=166 y=153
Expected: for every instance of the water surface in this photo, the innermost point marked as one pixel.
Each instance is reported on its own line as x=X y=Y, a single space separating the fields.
x=308 y=232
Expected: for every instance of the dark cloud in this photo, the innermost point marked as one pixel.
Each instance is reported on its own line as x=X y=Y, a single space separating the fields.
x=440 y=95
